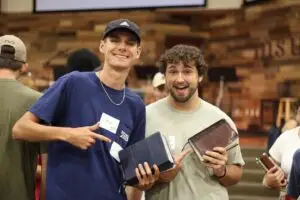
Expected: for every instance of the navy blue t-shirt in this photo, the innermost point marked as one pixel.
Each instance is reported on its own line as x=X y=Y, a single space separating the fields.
x=76 y=100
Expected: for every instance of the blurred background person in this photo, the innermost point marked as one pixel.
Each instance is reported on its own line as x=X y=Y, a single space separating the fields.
x=17 y=158
x=158 y=83
x=83 y=60
x=282 y=152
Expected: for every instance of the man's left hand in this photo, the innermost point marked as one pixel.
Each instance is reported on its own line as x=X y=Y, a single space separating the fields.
x=145 y=176
x=216 y=160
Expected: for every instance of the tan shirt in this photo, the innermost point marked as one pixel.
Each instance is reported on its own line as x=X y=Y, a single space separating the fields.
x=195 y=181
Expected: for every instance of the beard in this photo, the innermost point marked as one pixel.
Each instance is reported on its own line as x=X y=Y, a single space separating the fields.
x=183 y=99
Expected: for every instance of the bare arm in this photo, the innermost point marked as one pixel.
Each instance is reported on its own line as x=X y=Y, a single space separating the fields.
x=133 y=193
x=43 y=177
x=233 y=175
x=217 y=160
x=28 y=128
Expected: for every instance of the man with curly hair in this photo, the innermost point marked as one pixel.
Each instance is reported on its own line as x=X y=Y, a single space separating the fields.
x=181 y=115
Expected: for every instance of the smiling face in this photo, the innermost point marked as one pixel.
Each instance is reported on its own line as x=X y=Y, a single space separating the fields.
x=120 y=49
x=182 y=81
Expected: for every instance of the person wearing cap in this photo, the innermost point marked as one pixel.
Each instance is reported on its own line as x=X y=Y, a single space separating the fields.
x=17 y=158
x=158 y=83
x=88 y=117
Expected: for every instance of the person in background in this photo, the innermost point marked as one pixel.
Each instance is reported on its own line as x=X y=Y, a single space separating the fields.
x=158 y=83
x=87 y=118
x=83 y=60
x=275 y=132
x=17 y=158
x=282 y=152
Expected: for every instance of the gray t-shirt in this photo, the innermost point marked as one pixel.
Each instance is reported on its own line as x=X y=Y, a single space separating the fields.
x=194 y=181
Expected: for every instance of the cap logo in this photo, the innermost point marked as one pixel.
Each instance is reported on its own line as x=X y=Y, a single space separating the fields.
x=124 y=24
x=9 y=42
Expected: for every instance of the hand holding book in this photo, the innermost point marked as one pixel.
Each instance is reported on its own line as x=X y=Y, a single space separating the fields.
x=216 y=160
x=145 y=176
x=275 y=176
x=219 y=134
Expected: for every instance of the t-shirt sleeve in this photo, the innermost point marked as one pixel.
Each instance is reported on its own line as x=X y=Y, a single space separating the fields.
x=234 y=154
x=52 y=103
x=139 y=127
x=275 y=150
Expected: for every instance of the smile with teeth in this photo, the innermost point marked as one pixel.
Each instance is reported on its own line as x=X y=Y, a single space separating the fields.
x=180 y=87
x=120 y=56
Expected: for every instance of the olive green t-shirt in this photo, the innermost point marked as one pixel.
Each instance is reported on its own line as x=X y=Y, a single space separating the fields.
x=17 y=158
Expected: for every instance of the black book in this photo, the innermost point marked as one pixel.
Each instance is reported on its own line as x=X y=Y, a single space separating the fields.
x=153 y=150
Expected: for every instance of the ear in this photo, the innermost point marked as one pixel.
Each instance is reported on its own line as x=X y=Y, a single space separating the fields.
x=101 y=46
x=138 y=51
x=24 y=68
x=200 y=79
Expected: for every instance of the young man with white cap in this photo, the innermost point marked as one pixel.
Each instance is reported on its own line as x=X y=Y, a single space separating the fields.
x=158 y=83
x=93 y=115
x=17 y=158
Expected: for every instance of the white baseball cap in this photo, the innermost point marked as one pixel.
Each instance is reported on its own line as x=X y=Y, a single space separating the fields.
x=158 y=80
x=19 y=50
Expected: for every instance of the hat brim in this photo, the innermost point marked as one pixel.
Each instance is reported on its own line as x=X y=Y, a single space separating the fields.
x=123 y=28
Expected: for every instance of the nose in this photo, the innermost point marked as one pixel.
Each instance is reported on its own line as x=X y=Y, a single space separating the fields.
x=122 y=46
x=179 y=77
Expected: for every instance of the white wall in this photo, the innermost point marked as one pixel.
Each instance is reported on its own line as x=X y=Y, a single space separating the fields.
x=27 y=5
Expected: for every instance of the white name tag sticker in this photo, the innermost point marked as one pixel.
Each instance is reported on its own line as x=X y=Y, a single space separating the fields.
x=109 y=123
x=171 y=142
x=114 y=151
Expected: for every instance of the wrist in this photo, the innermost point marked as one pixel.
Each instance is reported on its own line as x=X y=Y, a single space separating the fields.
x=63 y=134
x=222 y=175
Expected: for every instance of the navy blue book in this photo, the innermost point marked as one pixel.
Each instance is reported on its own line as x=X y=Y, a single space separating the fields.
x=153 y=149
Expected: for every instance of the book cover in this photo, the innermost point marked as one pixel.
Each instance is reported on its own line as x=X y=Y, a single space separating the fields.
x=153 y=150
x=219 y=134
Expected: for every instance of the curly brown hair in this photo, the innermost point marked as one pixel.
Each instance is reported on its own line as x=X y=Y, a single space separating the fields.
x=183 y=53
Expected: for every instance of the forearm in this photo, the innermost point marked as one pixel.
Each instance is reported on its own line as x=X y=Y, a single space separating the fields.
x=133 y=193
x=233 y=175
x=28 y=128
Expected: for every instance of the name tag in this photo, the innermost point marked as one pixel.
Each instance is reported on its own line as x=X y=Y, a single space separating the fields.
x=109 y=123
x=114 y=151
x=171 y=142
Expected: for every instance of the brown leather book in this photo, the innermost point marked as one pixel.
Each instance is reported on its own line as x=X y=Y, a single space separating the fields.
x=219 y=134
x=265 y=162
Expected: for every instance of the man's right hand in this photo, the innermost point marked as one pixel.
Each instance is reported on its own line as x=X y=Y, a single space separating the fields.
x=275 y=177
x=84 y=137
x=170 y=174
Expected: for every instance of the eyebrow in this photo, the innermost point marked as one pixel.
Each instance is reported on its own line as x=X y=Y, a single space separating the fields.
x=188 y=66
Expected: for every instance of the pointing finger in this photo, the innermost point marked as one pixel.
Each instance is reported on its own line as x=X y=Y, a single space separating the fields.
x=101 y=137
x=182 y=155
